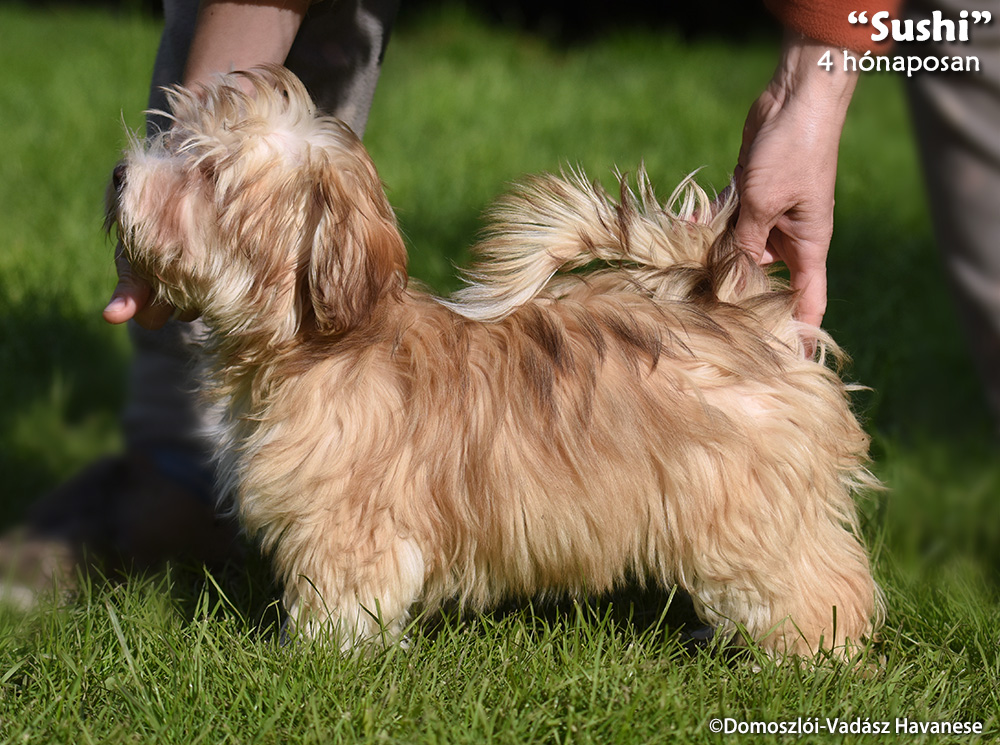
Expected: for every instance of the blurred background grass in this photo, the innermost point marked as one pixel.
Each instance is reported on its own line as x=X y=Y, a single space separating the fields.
x=465 y=106
x=468 y=102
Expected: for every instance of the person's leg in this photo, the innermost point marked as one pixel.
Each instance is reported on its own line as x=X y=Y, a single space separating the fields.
x=957 y=121
x=338 y=55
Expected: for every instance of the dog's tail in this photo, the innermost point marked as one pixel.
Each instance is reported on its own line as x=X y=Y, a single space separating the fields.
x=561 y=223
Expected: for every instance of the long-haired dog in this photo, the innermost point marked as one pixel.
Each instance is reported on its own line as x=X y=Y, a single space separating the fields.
x=653 y=415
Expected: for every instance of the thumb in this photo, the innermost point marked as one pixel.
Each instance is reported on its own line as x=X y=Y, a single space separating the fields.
x=131 y=298
x=811 y=285
x=130 y=295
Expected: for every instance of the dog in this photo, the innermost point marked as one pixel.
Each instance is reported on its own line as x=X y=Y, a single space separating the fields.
x=617 y=392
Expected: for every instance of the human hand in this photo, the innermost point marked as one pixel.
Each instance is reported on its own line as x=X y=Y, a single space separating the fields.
x=133 y=298
x=787 y=169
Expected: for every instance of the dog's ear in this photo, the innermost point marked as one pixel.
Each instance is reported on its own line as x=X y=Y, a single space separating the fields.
x=357 y=256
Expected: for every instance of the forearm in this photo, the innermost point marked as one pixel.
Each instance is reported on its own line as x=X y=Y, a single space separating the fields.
x=806 y=76
x=238 y=35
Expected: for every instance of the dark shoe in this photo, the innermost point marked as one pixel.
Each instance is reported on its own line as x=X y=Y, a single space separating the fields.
x=117 y=515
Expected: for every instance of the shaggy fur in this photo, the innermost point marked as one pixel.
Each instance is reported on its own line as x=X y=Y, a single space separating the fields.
x=655 y=415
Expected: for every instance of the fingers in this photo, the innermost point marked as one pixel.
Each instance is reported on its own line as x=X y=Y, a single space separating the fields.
x=786 y=173
x=811 y=306
x=755 y=233
x=132 y=299
x=154 y=316
x=122 y=306
x=130 y=295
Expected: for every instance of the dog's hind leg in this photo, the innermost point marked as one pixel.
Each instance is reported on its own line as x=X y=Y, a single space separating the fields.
x=831 y=602
x=816 y=593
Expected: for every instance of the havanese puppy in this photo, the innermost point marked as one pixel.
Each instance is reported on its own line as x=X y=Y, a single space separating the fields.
x=619 y=392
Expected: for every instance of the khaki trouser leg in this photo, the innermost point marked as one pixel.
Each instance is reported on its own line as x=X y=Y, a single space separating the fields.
x=957 y=122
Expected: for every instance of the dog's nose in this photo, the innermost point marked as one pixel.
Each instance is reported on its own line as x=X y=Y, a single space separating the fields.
x=118 y=177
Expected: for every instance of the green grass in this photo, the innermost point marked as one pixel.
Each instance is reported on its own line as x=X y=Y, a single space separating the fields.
x=462 y=110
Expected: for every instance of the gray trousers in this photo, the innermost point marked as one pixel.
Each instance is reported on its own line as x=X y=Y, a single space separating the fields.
x=338 y=55
x=957 y=121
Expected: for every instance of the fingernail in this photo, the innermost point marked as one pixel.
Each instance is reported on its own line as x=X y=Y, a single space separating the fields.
x=117 y=303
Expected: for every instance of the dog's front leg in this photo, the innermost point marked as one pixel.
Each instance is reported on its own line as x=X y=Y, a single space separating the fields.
x=353 y=599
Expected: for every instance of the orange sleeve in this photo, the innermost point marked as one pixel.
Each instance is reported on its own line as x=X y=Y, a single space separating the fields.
x=826 y=21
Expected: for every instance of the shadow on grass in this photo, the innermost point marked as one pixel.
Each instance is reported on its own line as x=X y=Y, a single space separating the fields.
x=242 y=592
x=245 y=591
x=632 y=611
x=57 y=373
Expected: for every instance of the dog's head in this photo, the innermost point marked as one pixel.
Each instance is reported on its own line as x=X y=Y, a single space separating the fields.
x=253 y=206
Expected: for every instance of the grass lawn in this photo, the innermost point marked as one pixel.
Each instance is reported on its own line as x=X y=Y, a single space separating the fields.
x=462 y=110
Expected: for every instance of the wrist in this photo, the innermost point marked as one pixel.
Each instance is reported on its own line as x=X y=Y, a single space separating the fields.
x=810 y=71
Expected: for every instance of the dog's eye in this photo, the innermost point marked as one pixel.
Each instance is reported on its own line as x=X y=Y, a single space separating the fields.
x=118 y=177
